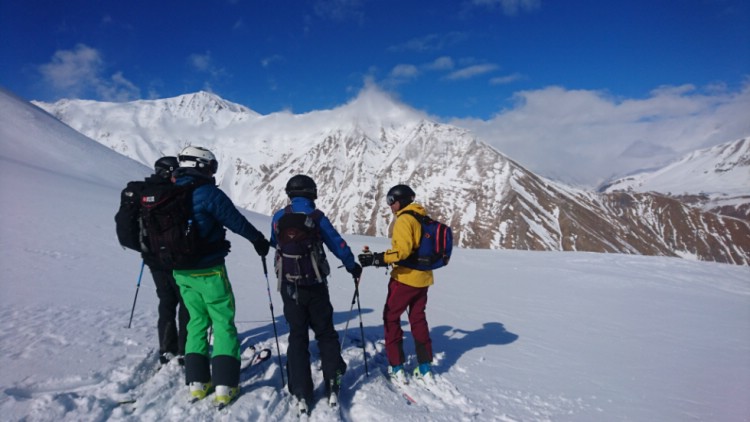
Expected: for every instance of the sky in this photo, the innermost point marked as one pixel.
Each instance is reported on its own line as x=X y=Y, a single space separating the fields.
x=639 y=76
x=517 y=335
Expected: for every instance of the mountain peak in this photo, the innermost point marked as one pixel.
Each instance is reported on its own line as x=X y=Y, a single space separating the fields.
x=208 y=101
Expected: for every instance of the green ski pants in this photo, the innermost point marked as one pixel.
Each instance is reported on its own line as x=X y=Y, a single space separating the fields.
x=208 y=297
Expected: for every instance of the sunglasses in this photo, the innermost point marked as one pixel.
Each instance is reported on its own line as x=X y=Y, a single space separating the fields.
x=390 y=200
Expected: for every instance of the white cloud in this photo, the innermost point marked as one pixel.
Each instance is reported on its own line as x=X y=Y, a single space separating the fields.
x=405 y=71
x=503 y=80
x=201 y=62
x=441 y=63
x=585 y=137
x=430 y=42
x=267 y=61
x=204 y=63
x=472 y=71
x=118 y=89
x=80 y=72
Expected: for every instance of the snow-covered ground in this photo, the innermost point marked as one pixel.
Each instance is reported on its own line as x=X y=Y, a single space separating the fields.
x=518 y=336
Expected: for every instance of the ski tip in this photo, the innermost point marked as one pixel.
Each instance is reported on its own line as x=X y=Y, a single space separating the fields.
x=122 y=402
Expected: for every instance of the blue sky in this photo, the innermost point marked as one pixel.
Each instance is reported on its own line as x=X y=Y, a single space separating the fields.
x=468 y=61
x=450 y=58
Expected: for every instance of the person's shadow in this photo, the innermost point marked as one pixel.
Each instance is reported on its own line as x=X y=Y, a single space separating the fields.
x=265 y=330
x=454 y=342
x=451 y=342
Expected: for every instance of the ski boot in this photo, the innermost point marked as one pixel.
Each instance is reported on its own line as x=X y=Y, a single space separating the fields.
x=225 y=394
x=398 y=375
x=424 y=373
x=299 y=404
x=333 y=387
x=165 y=357
x=199 y=390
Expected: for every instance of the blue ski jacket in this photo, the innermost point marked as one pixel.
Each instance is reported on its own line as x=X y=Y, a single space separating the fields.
x=213 y=210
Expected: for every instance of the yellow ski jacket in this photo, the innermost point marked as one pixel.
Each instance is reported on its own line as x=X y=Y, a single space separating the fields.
x=404 y=241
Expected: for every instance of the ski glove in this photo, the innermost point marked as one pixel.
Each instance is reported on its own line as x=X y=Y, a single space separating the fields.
x=372 y=259
x=261 y=246
x=356 y=271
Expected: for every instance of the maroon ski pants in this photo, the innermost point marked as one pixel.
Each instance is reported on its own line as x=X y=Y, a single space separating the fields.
x=402 y=297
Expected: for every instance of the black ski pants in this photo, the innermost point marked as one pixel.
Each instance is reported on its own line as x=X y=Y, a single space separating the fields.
x=308 y=307
x=172 y=311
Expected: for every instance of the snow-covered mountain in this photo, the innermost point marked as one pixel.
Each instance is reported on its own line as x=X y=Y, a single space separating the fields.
x=357 y=151
x=716 y=179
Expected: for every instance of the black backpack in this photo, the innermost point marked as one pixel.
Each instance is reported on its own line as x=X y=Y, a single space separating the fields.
x=300 y=258
x=127 y=218
x=170 y=235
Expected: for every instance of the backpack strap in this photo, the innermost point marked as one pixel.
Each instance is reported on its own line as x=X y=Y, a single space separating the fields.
x=316 y=214
x=421 y=219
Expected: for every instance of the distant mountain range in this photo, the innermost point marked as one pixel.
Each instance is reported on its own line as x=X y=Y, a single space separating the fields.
x=357 y=151
x=716 y=179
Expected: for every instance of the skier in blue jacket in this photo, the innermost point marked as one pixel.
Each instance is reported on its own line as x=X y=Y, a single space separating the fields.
x=205 y=287
x=304 y=290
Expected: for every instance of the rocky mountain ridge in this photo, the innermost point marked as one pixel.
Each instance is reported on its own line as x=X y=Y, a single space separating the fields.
x=357 y=151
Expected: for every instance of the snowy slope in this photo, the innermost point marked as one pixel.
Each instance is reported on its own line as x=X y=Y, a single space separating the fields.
x=716 y=178
x=519 y=336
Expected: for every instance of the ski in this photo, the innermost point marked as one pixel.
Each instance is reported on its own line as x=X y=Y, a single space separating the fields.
x=222 y=406
x=399 y=388
x=120 y=403
x=409 y=399
x=257 y=357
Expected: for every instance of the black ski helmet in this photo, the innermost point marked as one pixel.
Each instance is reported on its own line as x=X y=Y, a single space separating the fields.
x=164 y=166
x=301 y=185
x=401 y=193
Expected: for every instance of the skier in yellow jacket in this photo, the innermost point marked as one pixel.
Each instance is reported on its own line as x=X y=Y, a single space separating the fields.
x=407 y=287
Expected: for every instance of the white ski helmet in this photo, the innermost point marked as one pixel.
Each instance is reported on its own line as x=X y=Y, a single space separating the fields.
x=198 y=157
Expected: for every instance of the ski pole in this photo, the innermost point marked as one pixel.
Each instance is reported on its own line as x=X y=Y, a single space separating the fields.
x=361 y=327
x=351 y=309
x=273 y=319
x=138 y=286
